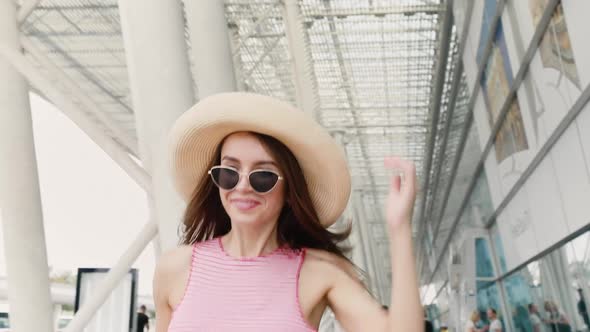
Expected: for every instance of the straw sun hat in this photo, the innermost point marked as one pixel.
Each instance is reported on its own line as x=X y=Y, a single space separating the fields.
x=195 y=136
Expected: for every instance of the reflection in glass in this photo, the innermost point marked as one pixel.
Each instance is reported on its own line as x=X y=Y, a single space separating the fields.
x=522 y=297
x=499 y=249
x=549 y=295
x=483 y=261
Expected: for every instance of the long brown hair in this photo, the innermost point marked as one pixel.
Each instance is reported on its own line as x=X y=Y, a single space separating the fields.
x=298 y=225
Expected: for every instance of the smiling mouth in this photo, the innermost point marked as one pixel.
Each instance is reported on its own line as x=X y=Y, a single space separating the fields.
x=244 y=204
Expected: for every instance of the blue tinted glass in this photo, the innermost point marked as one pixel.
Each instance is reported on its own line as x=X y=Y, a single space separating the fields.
x=499 y=247
x=483 y=262
x=519 y=298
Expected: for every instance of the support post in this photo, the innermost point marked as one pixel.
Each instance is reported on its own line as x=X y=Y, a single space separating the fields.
x=20 y=199
x=210 y=45
x=162 y=89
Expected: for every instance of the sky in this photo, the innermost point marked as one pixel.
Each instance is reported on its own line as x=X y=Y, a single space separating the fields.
x=92 y=210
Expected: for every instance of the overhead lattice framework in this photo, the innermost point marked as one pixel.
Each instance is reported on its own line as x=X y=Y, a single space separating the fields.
x=374 y=65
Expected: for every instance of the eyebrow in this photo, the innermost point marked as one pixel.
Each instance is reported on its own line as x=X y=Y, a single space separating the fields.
x=257 y=163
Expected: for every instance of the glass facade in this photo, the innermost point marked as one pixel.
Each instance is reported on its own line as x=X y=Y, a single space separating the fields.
x=518 y=213
x=549 y=294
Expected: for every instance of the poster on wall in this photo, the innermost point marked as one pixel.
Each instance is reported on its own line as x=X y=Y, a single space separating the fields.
x=489 y=11
x=575 y=14
x=553 y=75
x=555 y=47
x=511 y=144
x=495 y=82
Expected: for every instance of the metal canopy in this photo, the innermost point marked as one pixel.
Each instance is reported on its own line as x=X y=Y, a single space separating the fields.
x=374 y=66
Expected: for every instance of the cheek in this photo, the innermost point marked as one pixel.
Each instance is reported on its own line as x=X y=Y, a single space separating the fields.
x=224 y=199
x=276 y=200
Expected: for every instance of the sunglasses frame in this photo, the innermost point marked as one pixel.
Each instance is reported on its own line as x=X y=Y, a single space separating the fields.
x=240 y=174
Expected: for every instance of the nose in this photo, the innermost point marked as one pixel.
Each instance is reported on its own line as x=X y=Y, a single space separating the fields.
x=244 y=183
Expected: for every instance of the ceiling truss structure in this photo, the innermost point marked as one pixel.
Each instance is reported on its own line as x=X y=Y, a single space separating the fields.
x=380 y=72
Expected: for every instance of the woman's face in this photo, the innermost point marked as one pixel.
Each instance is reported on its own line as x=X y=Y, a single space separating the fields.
x=245 y=153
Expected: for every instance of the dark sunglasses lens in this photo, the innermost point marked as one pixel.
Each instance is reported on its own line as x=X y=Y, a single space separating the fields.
x=263 y=181
x=225 y=178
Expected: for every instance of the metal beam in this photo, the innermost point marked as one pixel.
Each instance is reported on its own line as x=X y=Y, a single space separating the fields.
x=253 y=30
x=74 y=89
x=456 y=80
x=84 y=71
x=112 y=148
x=280 y=65
x=266 y=52
x=26 y=9
x=435 y=105
x=475 y=90
x=89 y=7
x=352 y=104
x=113 y=278
x=394 y=10
x=469 y=118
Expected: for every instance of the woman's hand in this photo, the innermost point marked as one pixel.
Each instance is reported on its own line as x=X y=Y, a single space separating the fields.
x=402 y=193
x=406 y=310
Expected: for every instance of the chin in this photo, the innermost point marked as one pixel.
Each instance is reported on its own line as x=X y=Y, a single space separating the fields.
x=242 y=218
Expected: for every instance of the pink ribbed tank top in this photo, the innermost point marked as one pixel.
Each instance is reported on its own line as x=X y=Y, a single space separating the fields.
x=225 y=293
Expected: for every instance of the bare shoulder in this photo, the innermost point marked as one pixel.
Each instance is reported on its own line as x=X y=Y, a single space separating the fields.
x=170 y=278
x=171 y=265
x=174 y=260
x=327 y=263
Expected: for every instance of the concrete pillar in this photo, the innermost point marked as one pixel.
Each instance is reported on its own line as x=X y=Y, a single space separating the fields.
x=20 y=200
x=210 y=44
x=57 y=311
x=234 y=42
x=302 y=64
x=162 y=89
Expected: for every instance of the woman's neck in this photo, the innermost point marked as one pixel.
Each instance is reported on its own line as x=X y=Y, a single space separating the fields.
x=249 y=241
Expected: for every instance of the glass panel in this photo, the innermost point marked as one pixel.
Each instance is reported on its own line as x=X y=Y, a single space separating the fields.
x=550 y=294
x=465 y=172
x=483 y=262
x=499 y=249
x=480 y=208
x=488 y=296
x=520 y=292
x=489 y=11
x=578 y=256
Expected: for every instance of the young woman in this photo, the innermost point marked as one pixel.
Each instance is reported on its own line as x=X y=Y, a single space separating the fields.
x=262 y=182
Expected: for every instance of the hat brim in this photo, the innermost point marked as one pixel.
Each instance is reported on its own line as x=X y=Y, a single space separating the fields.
x=196 y=135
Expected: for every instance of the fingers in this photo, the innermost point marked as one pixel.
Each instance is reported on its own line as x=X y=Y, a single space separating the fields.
x=408 y=171
x=396 y=182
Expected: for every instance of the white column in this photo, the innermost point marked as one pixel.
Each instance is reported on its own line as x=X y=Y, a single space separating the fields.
x=162 y=89
x=210 y=46
x=20 y=201
x=57 y=311
x=302 y=64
